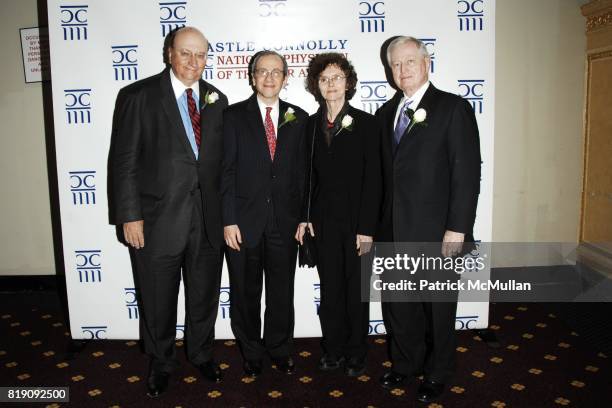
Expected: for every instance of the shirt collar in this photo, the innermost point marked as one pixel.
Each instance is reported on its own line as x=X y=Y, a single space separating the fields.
x=179 y=88
x=416 y=98
x=263 y=106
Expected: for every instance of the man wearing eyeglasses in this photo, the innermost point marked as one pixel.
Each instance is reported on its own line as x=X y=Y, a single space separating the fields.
x=164 y=170
x=262 y=186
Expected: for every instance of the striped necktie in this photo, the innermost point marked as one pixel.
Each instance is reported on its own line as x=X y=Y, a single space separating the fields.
x=402 y=121
x=194 y=115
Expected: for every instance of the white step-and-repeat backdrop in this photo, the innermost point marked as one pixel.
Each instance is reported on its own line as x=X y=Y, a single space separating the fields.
x=98 y=47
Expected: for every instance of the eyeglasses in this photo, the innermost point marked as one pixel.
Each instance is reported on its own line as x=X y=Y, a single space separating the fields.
x=330 y=80
x=264 y=73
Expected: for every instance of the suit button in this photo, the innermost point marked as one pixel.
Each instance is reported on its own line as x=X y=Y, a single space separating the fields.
x=268 y=200
x=274 y=176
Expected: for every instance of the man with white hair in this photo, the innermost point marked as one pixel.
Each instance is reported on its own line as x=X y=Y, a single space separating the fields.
x=431 y=173
x=165 y=170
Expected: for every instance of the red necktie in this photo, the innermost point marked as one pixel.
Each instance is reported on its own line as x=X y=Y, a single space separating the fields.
x=270 y=133
x=194 y=115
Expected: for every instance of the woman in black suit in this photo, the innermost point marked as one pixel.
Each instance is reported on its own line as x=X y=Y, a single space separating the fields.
x=346 y=195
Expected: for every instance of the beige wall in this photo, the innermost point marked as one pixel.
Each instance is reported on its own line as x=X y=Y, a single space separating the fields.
x=538 y=133
x=25 y=236
x=540 y=53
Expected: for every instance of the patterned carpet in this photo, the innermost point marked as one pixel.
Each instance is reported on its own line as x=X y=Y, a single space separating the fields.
x=541 y=363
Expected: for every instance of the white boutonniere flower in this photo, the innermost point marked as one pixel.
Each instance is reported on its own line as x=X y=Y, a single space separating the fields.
x=346 y=123
x=418 y=118
x=289 y=116
x=210 y=98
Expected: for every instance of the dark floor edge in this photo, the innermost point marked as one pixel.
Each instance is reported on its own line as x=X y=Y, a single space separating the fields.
x=29 y=283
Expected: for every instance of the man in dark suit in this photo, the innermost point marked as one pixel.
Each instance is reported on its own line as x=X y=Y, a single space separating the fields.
x=431 y=172
x=262 y=187
x=165 y=166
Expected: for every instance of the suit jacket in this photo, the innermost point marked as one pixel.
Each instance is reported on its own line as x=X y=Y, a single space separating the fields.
x=346 y=175
x=251 y=181
x=432 y=180
x=153 y=170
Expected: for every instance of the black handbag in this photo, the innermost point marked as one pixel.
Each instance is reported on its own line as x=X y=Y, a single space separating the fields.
x=307 y=252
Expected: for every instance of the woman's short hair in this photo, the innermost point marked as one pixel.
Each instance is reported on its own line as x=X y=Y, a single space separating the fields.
x=318 y=65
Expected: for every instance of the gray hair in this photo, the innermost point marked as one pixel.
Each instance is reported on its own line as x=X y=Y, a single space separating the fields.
x=265 y=53
x=403 y=39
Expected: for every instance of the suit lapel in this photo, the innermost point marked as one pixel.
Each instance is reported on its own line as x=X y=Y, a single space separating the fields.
x=205 y=118
x=257 y=127
x=316 y=132
x=427 y=102
x=389 y=124
x=172 y=111
x=347 y=112
x=283 y=131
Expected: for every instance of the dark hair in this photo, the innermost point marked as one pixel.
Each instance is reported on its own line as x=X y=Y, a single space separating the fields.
x=168 y=43
x=264 y=53
x=318 y=65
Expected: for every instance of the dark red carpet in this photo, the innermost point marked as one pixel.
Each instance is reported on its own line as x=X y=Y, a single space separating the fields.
x=541 y=363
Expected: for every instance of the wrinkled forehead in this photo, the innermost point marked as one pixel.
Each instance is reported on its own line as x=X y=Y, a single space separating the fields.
x=404 y=51
x=270 y=62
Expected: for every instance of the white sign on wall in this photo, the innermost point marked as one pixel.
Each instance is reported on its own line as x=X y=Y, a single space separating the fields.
x=98 y=47
x=35 y=52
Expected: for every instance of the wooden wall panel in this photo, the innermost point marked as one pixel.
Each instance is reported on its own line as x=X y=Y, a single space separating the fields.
x=596 y=214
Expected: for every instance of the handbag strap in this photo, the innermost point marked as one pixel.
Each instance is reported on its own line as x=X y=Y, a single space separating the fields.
x=310 y=173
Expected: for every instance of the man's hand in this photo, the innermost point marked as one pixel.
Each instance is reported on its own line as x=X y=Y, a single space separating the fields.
x=452 y=243
x=364 y=244
x=301 y=230
x=133 y=232
x=232 y=236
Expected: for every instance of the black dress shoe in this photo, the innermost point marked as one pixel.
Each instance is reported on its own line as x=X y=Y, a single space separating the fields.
x=429 y=391
x=392 y=379
x=355 y=366
x=252 y=368
x=211 y=371
x=284 y=365
x=329 y=363
x=157 y=384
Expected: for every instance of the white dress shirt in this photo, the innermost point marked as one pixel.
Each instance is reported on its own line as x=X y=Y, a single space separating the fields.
x=416 y=99
x=178 y=87
x=181 y=99
x=273 y=113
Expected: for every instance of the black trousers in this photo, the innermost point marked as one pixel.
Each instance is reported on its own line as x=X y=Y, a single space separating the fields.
x=344 y=317
x=277 y=259
x=422 y=338
x=158 y=274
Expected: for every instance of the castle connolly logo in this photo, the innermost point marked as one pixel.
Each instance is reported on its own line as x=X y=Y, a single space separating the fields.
x=230 y=60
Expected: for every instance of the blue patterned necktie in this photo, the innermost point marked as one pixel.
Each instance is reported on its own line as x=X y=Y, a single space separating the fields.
x=402 y=122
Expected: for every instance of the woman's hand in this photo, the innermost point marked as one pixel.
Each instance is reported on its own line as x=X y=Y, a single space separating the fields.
x=301 y=230
x=232 y=236
x=364 y=244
